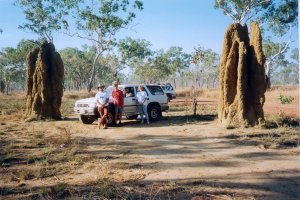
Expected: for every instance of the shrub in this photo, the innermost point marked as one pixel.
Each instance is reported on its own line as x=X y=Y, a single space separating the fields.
x=285 y=99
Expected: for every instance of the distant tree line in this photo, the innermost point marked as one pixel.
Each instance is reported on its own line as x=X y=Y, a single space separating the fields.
x=199 y=68
x=104 y=58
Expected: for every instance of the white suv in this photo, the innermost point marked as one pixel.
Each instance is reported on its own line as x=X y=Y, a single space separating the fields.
x=157 y=103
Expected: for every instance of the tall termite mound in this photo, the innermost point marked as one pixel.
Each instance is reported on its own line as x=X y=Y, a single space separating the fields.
x=44 y=83
x=242 y=77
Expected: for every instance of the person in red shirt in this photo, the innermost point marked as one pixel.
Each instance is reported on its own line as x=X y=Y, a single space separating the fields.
x=118 y=99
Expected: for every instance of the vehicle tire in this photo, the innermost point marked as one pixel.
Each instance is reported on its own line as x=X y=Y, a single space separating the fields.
x=169 y=97
x=154 y=112
x=131 y=116
x=86 y=119
x=110 y=119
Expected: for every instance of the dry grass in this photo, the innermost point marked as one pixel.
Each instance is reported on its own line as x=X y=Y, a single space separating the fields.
x=272 y=95
x=201 y=93
x=12 y=107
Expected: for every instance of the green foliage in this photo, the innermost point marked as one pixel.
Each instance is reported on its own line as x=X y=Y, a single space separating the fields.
x=134 y=50
x=271 y=48
x=295 y=55
x=241 y=11
x=278 y=14
x=284 y=71
x=77 y=67
x=100 y=21
x=281 y=15
x=285 y=99
x=78 y=63
x=178 y=60
x=159 y=65
x=205 y=65
x=96 y=21
x=107 y=17
x=13 y=62
x=45 y=16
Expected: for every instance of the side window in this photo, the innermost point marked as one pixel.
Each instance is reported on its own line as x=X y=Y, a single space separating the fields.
x=169 y=87
x=136 y=89
x=155 y=90
x=129 y=92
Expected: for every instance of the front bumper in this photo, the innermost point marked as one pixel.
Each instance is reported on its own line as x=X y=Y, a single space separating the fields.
x=164 y=107
x=84 y=111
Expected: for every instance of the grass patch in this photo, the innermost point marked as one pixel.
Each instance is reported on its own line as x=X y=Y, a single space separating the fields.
x=109 y=189
x=12 y=103
x=281 y=120
x=26 y=174
x=59 y=191
x=273 y=140
x=8 y=157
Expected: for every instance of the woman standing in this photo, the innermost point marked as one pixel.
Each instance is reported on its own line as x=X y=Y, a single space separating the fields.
x=142 y=103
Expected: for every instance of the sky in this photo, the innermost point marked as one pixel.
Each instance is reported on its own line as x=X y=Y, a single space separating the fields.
x=164 y=23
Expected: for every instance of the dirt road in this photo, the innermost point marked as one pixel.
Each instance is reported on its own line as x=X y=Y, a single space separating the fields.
x=176 y=158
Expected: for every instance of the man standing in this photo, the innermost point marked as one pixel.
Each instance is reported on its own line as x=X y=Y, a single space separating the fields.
x=102 y=99
x=118 y=98
x=142 y=103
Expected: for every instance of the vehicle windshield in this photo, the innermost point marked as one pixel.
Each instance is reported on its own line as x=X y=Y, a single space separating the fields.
x=109 y=89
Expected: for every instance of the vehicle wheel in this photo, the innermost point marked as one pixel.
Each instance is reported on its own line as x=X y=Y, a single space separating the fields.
x=86 y=119
x=169 y=97
x=110 y=119
x=154 y=112
x=131 y=116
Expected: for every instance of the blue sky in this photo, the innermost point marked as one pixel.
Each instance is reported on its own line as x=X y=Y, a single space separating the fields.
x=165 y=23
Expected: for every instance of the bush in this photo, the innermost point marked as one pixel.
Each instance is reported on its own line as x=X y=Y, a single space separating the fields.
x=285 y=99
x=286 y=121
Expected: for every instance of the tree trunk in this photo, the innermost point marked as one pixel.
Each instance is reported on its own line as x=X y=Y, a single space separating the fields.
x=2 y=87
x=268 y=75
x=174 y=80
x=207 y=83
x=195 y=106
x=7 y=88
x=92 y=77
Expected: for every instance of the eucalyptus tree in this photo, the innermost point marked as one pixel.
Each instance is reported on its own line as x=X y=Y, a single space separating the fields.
x=12 y=63
x=100 y=21
x=177 y=61
x=281 y=20
x=134 y=50
x=44 y=17
x=76 y=66
x=205 y=66
x=96 y=21
x=241 y=11
x=135 y=53
x=288 y=71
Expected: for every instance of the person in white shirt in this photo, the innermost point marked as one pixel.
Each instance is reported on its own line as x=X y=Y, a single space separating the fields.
x=142 y=103
x=102 y=99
